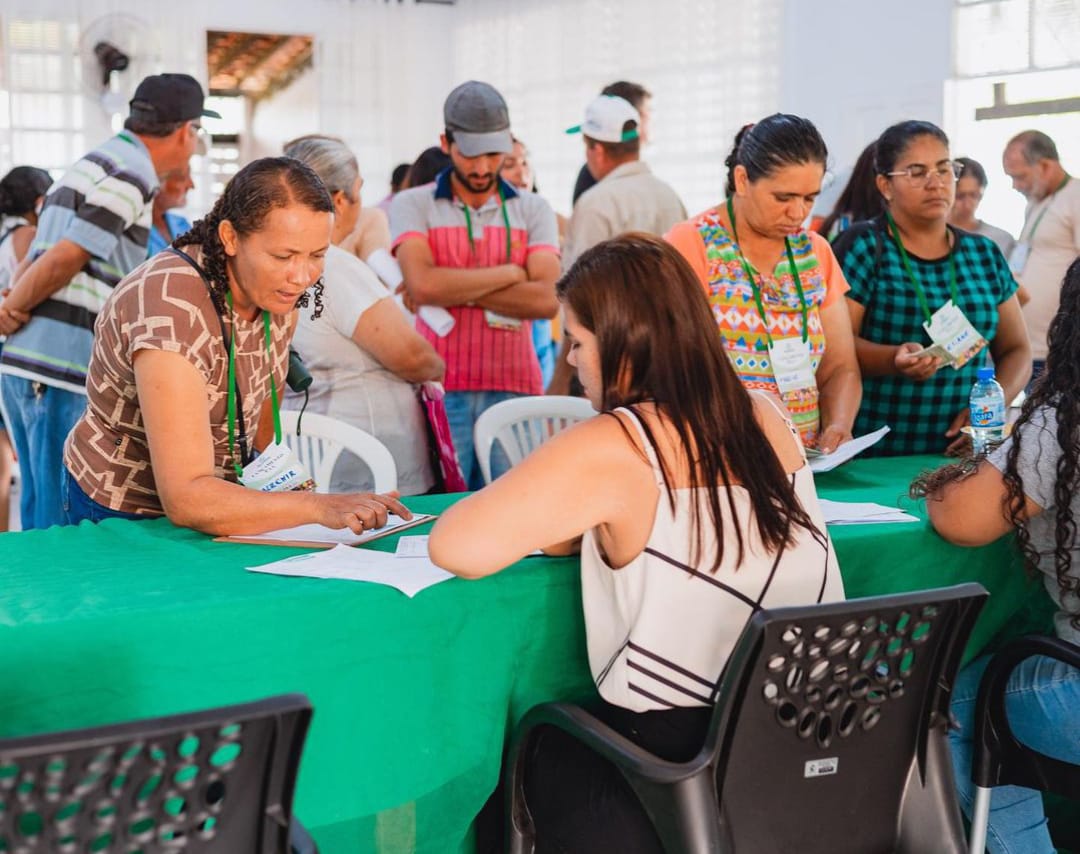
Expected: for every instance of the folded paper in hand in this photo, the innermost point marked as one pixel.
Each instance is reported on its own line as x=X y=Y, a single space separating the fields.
x=827 y=462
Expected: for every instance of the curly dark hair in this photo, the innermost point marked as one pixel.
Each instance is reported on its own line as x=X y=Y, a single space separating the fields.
x=260 y=187
x=1057 y=388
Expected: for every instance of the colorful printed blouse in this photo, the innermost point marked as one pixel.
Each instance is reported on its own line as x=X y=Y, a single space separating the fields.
x=714 y=256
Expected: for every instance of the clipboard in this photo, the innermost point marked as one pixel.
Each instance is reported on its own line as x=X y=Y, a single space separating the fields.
x=321 y=537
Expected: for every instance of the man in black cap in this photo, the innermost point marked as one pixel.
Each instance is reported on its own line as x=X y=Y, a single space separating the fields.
x=92 y=232
x=489 y=254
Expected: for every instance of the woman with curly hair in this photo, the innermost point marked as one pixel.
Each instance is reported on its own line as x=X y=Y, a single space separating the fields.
x=1031 y=485
x=191 y=352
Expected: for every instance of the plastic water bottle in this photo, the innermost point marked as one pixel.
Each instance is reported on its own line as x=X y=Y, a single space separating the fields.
x=987 y=411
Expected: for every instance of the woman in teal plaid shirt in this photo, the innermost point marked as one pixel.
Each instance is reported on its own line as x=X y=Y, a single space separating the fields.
x=905 y=268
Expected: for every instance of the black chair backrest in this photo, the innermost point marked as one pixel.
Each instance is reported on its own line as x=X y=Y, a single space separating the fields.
x=824 y=714
x=1000 y=759
x=216 y=781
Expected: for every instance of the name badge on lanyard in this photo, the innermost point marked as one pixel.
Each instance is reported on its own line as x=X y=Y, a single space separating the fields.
x=475 y=232
x=791 y=365
x=1018 y=258
x=276 y=469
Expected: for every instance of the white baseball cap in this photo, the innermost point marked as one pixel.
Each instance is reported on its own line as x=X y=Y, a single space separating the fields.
x=605 y=118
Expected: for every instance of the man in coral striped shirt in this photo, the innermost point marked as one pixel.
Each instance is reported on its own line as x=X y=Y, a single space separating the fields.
x=472 y=243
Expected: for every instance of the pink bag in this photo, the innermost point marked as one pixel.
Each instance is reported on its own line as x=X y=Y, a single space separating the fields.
x=442 y=442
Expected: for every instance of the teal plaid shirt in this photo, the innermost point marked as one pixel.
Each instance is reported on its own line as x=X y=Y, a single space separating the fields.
x=919 y=413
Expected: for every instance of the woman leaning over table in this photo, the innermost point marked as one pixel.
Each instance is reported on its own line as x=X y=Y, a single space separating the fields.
x=166 y=430
x=687 y=497
x=1030 y=485
x=907 y=268
x=362 y=352
x=775 y=288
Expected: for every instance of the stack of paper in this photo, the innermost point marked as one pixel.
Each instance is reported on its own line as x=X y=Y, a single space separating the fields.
x=820 y=463
x=854 y=513
x=319 y=536
x=410 y=575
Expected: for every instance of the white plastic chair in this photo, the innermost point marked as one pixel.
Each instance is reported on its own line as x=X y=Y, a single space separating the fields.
x=524 y=423
x=322 y=440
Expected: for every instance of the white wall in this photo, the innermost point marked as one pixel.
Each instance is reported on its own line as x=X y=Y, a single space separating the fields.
x=854 y=67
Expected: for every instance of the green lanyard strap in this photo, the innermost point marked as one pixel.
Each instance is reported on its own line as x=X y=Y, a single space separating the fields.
x=757 y=289
x=235 y=402
x=1042 y=213
x=894 y=233
x=506 y=222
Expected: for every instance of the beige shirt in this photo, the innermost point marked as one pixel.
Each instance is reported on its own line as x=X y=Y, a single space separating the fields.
x=629 y=198
x=164 y=305
x=1054 y=246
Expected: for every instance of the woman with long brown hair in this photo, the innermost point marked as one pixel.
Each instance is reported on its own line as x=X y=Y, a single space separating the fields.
x=1030 y=485
x=691 y=504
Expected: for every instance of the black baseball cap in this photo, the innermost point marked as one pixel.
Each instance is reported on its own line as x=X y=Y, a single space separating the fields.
x=169 y=98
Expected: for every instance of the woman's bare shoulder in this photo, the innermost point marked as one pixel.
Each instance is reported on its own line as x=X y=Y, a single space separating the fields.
x=770 y=412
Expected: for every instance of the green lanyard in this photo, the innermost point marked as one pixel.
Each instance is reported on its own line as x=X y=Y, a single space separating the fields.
x=757 y=290
x=235 y=402
x=506 y=222
x=1042 y=213
x=894 y=232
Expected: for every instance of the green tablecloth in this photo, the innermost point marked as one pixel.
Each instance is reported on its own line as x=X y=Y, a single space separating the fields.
x=413 y=697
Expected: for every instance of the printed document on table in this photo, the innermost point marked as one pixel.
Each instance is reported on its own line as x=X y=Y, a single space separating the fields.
x=410 y=575
x=319 y=536
x=827 y=462
x=853 y=513
x=417 y=546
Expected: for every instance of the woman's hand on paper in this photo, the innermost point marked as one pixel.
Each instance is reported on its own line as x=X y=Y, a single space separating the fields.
x=832 y=437
x=360 y=511
x=919 y=368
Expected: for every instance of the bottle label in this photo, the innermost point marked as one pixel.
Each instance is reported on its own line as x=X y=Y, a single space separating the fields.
x=987 y=413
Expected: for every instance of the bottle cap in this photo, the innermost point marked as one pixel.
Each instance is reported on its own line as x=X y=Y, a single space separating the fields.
x=986 y=374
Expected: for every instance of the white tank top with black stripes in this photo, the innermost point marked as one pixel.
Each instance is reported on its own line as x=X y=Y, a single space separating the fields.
x=659 y=629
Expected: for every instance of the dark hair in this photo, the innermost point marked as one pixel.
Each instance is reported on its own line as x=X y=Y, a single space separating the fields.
x=860 y=198
x=1035 y=146
x=1057 y=388
x=20 y=189
x=777 y=140
x=430 y=163
x=397 y=177
x=972 y=169
x=146 y=127
x=259 y=188
x=611 y=289
x=620 y=150
x=635 y=93
x=894 y=141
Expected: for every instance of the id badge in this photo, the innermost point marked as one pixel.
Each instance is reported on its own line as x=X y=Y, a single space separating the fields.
x=950 y=328
x=277 y=470
x=792 y=369
x=501 y=321
x=1018 y=258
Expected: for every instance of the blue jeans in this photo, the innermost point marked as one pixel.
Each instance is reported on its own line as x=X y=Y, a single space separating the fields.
x=79 y=507
x=462 y=410
x=39 y=420
x=1043 y=705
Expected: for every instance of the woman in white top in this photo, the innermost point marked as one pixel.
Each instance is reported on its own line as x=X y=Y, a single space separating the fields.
x=22 y=192
x=692 y=506
x=362 y=352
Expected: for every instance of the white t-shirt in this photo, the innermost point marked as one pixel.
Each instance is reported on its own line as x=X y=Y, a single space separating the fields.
x=1054 y=246
x=350 y=384
x=8 y=262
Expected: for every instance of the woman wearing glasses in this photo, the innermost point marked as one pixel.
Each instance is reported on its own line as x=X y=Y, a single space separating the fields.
x=775 y=289
x=917 y=282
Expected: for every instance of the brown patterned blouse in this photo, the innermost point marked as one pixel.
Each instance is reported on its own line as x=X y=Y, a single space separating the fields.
x=163 y=305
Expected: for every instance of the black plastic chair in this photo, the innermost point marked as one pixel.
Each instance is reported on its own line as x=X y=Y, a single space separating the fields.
x=828 y=735
x=999 y=759
x=212 y=782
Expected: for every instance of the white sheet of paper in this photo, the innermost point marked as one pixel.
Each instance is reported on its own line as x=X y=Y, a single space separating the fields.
x=322 y=534
x=827 y=462
x=417 y=546
x=343 y=563
x=851 y=513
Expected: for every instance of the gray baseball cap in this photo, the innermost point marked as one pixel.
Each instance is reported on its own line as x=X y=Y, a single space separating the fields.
x=476 y=114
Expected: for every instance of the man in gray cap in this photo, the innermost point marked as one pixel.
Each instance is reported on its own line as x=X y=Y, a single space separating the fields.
x=92 y=232
x=472 y=243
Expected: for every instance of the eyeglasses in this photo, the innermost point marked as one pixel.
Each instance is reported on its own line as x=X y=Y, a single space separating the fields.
x=919 y=175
